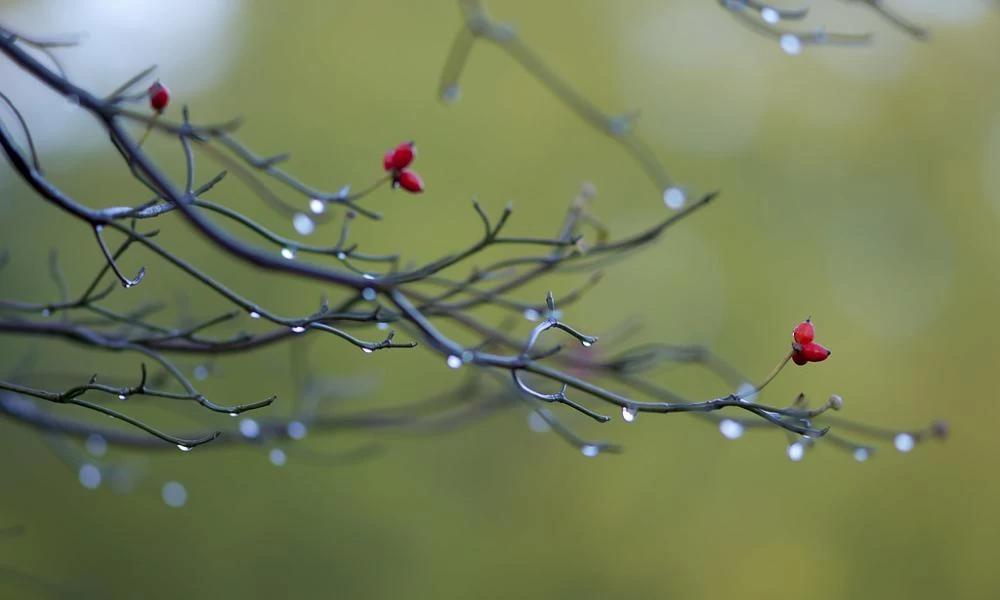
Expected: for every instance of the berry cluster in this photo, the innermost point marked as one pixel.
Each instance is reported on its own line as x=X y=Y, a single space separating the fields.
x=804 y=349
x=395 y=162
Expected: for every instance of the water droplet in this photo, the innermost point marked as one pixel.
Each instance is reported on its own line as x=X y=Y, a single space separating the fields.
x=382 y=325
x=537 y=423
x=303 y=224
x=531 y=314
x=96 y=444
x=731 y=430
x=454 y=362
x=861 y=454
x=451 y=94
x=232 y=414
x=122 y=397
x=277 y=457
x=674 y=198
x=317 y=206
x=769 y=15
x=46 y=312
x=590 y=450
x=341 y=256
x=368 y=276
x=174 y=494
x=628 y=414
x=249 y=428
x=587 y=343
x=790 y=44
x=747 y=392
x=183 y=448
x=298 y=329
x=904 y=442
x=201 y=372
x=368 y=294
x=90 y=476
x=296 y=430
x=288 y=253
x=254 y=314
x=620 y=126
x=796 y=451
x=366 y=350
x=344 y=192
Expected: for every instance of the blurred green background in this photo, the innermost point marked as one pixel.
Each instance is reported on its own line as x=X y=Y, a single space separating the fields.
x=859 y=186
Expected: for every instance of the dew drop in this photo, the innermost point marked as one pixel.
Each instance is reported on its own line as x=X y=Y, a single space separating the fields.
x=367 y=350
x=174 y=494
x=341 y=256
x=288 y=253
x=367 y=276
x=298 y=329
x=531 y=314
x=674 y=198
x=731 y=430
x=201 y=372
x=590 y=450
x=368 y=294
x=232 y=414
x=796 y=451
x=122 y=397
x=382 y=325
x=317 y=206
x=254 y=314
x=861 y=454
x=454 y=362
x=183 y=448
x=90 y=476
x=790 y=44
x=96 y=444
x=249 y=428
x=277 y=457
x=620 y=126
x=296 y=430
x=769 y=15
x=747 y=392
x=46 y=312
x=451 y=94
x=587 y=343
x=904 y=442
x=536 y=423
x=628 y=414
x=344 y=192
x=303 y=224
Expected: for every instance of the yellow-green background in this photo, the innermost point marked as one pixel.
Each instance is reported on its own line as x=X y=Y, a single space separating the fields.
x=862 y=195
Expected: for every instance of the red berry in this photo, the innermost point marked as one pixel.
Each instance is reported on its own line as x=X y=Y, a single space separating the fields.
x=409 y=181
x=399 y=157
x=814 y=352
x=159 y=96
x=804 y=332
x=798 y=359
